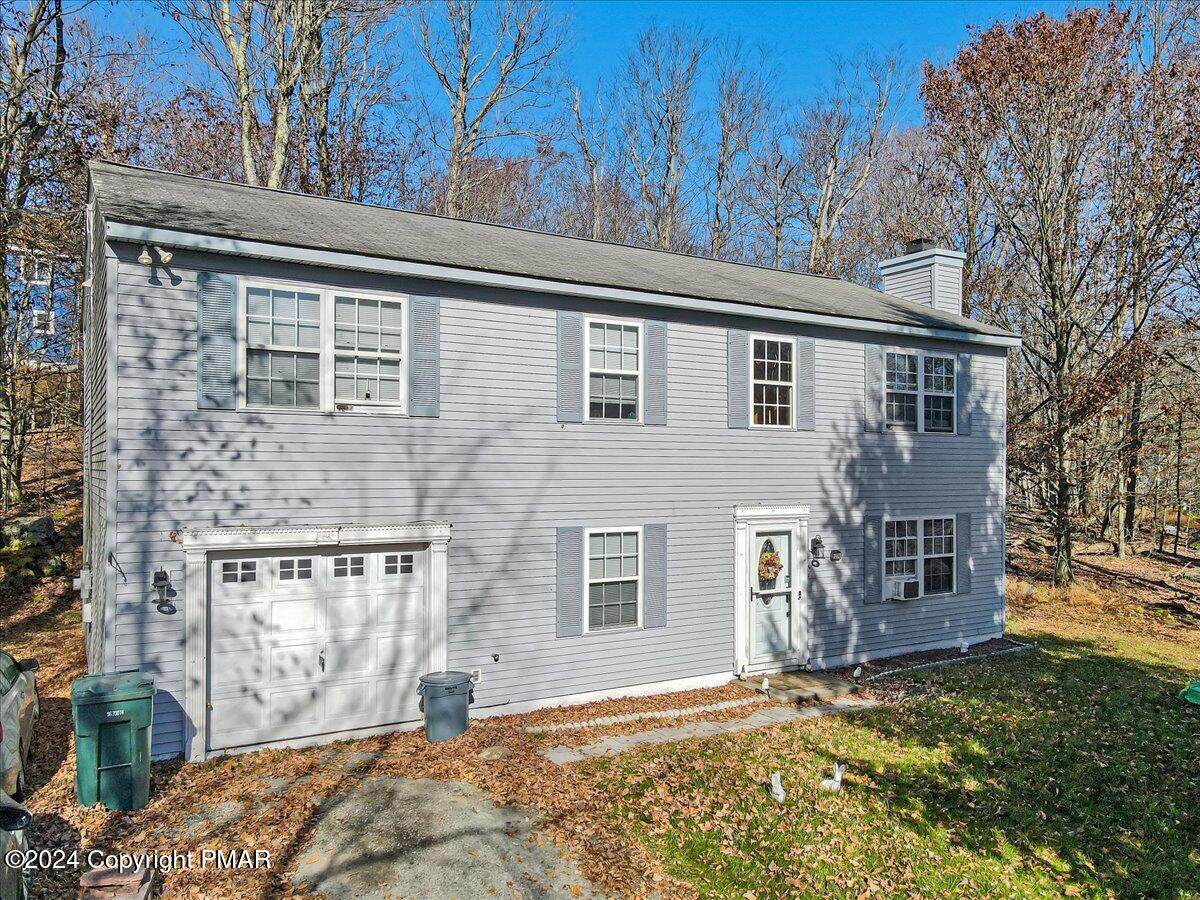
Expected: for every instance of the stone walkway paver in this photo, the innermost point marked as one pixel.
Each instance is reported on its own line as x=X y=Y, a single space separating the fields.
x=774 y=715
x=638 y=716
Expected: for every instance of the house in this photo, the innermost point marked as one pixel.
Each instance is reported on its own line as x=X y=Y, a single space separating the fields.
x=332 y=446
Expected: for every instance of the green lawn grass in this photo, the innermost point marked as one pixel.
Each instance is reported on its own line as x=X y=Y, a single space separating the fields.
x=1069 y=770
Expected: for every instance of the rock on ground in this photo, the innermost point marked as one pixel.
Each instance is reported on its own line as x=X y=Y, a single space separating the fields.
x=399 y=837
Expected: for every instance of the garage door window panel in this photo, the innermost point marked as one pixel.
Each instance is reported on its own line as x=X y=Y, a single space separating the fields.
x=239 y=571
x=300 y=569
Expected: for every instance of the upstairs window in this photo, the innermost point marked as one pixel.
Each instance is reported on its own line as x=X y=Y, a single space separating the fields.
x=317 y=349
x=283 y=348
x=614 y=356
x=920 y=392
x=773 y=382
x=368 y=336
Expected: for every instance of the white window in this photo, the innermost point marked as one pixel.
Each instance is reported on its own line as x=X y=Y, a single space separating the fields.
x=367 y=338
x=315 y=349
x=295 y=569
x=773 y=382
x=614 y=579
x=398 y=564
x=920 y=392
x=919 y=554
x=349 y=566
x=245 y=570
x=43 y=321
x=34 y=267
x=280 y=325
x=614 y=370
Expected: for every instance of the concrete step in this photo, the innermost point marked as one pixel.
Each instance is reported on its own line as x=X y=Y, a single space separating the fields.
x=808 y=687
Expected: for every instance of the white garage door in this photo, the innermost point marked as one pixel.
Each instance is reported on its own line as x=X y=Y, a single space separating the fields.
x=313 y=642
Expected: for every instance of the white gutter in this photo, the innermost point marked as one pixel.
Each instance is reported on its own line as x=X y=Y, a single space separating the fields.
x=138 y=234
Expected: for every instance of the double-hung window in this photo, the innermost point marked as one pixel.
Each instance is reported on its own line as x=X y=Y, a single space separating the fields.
x=919 y=551
x=283 y=348
x=367 y=336
x=318 y=349
x=773 y=382
x=614 y=579
x=614 y=370
x=920 y=392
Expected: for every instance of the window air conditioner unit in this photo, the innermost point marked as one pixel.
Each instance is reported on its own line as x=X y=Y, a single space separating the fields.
x=902 y=588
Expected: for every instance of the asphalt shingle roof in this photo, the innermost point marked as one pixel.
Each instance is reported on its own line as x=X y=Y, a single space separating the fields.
x=151 y=198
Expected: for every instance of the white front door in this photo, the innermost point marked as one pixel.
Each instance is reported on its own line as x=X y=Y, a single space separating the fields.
x=314 y=641
x=772 y=594
x=771 y=570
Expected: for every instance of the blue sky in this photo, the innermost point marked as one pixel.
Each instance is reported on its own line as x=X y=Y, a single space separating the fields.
x=801 y=37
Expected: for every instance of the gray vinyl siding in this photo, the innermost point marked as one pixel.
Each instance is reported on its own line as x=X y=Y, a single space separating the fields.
x=916 y=285
x=97 y=361
x=499 y=465
x=948 y=286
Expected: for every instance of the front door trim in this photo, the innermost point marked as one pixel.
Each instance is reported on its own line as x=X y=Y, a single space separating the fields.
x=747 y=520
x=197 y=543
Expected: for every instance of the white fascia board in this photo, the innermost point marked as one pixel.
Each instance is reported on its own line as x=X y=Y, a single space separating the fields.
x=137 y=234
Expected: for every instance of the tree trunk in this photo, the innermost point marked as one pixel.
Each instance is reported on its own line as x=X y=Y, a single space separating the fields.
x=1133 y=462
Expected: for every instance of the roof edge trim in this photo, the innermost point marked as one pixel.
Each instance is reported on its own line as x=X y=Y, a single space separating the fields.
x=205 y=243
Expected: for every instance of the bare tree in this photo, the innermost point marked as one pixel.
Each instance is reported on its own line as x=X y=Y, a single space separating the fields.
x=660 y=129
x=40 y=187
x=1025 y=113
x=262 y=51
x=1154 y=173
x=772 y=195
x=492 y=68
x=840 y=137
x=589 y=138
x=741 y=110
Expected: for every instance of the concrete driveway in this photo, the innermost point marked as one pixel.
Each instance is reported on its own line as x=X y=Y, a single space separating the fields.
x=418 y=838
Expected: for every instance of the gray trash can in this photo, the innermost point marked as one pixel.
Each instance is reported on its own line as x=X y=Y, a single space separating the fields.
x=445 y=697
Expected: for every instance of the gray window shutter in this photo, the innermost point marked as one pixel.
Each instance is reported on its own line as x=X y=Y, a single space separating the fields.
x=570 y=581
x=962 y=553
x=216 y=304
x=873 y=398
x=654 y=611
x=738 y=373
x=806 y=384
x=656 y=373
x=964 y=401
x=570 y=366
x=873 y=559
x=424 y=356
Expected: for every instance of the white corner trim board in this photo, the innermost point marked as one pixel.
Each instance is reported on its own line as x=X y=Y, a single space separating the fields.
x=197 y=543
x=138 y=234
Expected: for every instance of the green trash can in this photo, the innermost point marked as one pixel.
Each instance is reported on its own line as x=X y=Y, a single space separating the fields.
x=445 y=697
x=112 y=716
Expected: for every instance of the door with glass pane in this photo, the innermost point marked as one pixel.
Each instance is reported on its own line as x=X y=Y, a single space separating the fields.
x=772 y=594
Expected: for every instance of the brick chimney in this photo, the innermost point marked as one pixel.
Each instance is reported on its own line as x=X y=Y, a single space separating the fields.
x=926 y=274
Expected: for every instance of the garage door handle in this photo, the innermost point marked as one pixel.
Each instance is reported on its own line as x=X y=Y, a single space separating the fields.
x=321 y=659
